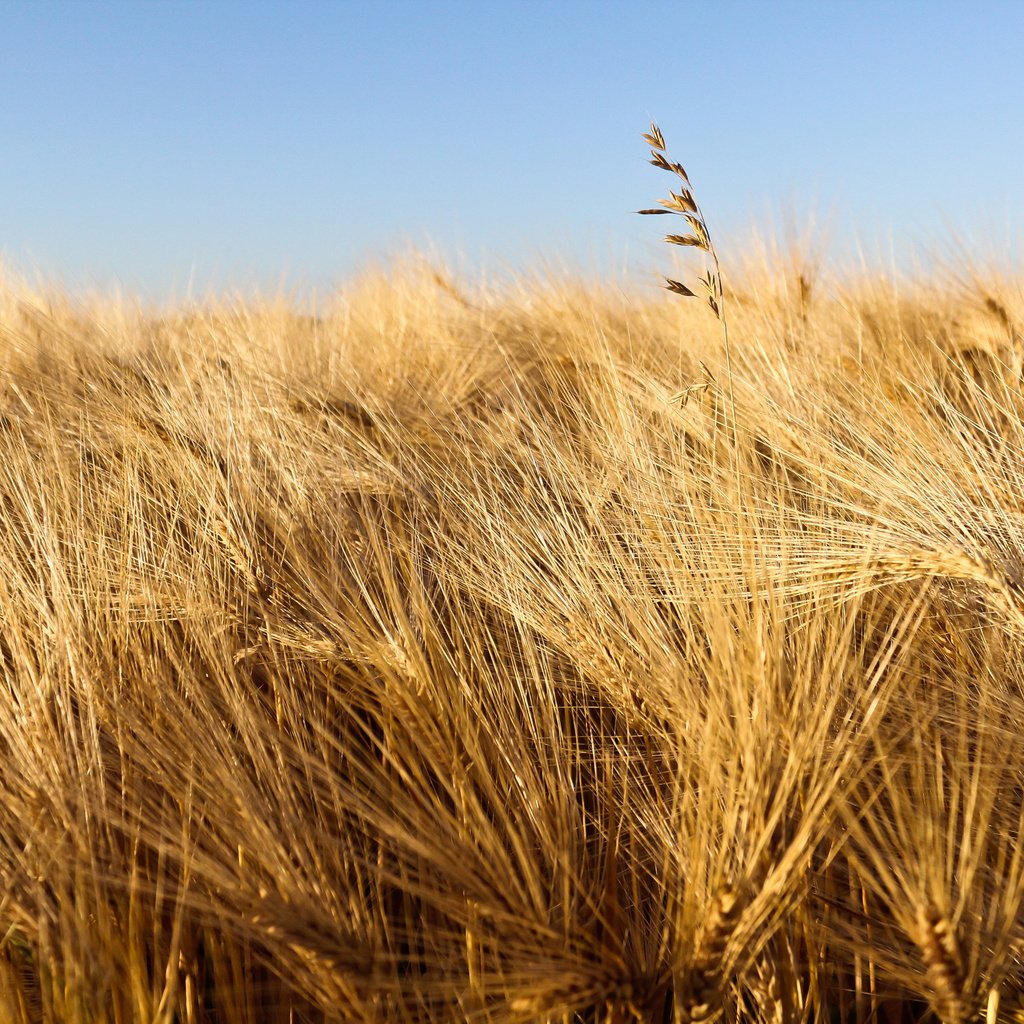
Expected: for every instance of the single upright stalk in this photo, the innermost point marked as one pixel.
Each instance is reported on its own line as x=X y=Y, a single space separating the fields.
x=684 y=204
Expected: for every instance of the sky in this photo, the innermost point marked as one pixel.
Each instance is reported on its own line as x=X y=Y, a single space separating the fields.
x=172 y=148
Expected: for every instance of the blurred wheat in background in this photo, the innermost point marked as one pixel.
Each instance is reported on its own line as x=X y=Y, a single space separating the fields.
x=468 y=655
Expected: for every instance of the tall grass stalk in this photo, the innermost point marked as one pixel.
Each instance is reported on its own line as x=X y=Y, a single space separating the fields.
x=684 y=204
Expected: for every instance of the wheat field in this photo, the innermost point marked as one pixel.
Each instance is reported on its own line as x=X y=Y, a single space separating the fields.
x=468 y=654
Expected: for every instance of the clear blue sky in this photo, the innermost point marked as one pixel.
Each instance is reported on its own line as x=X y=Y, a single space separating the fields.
x=253 y=144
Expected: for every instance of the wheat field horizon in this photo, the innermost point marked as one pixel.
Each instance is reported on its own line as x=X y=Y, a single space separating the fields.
x=534 y=654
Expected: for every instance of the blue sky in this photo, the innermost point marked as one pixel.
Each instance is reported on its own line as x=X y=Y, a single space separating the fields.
x=235 y=145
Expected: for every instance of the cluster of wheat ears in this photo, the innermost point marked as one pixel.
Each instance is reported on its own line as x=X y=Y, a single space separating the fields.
x=525 y=655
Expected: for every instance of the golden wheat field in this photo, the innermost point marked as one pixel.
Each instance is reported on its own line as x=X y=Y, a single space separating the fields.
x=497 y=655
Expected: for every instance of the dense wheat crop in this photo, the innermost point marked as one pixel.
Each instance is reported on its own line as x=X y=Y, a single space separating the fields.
x=475 y=656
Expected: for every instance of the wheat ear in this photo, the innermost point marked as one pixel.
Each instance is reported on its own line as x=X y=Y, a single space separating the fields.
x=940 y=950
x=707 y=979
